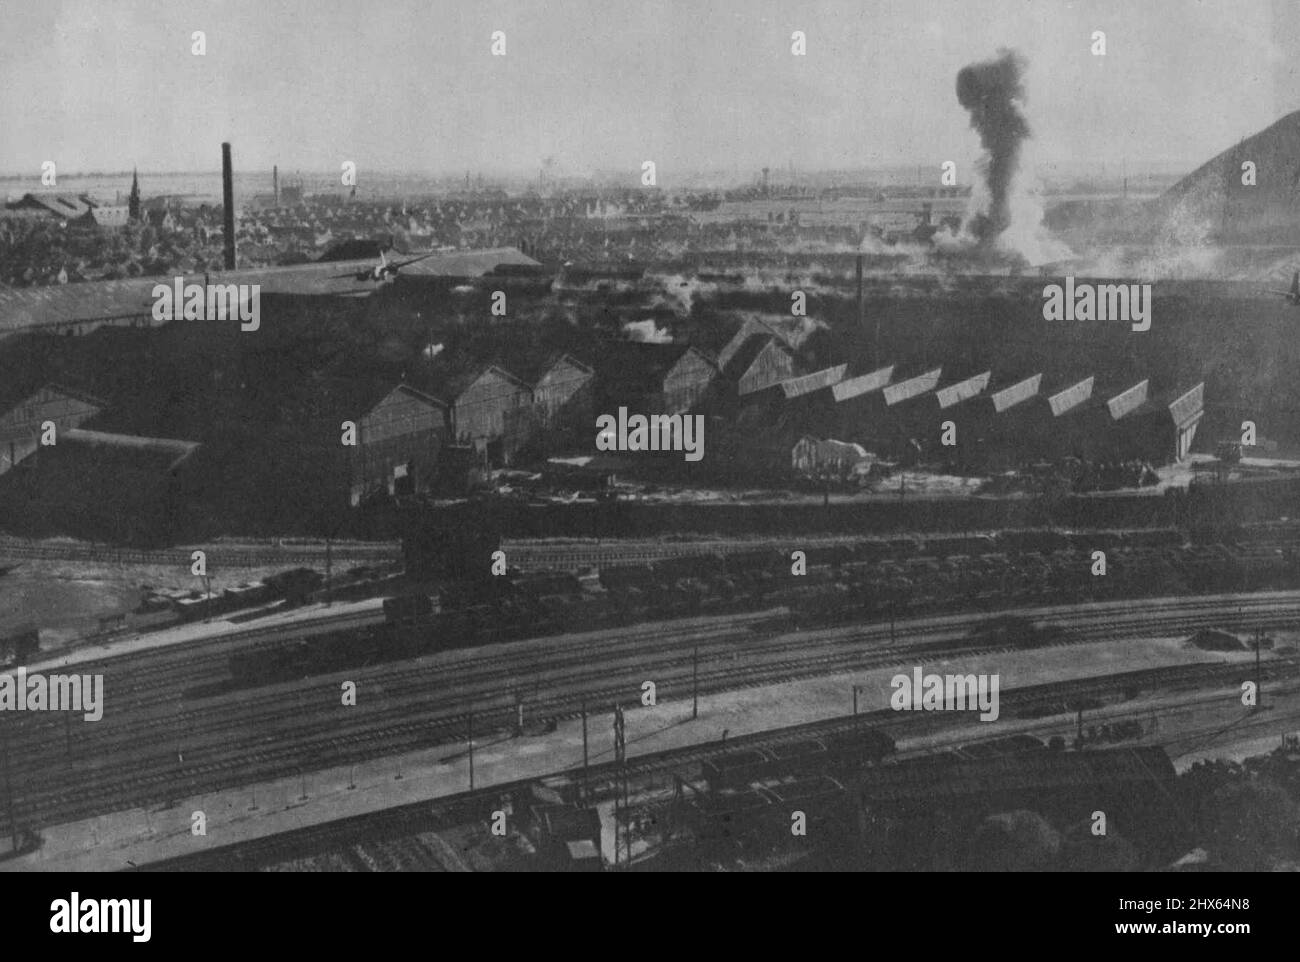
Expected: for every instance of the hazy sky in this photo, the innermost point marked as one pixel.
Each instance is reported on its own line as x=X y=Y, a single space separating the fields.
x=606 y=84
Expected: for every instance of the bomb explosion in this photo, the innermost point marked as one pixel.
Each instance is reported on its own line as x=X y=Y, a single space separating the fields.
x=993 y=92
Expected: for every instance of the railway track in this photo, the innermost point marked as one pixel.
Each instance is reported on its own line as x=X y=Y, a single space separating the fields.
x=265 y=732
x=218 y=555
x=391 y=826
x=527 y=554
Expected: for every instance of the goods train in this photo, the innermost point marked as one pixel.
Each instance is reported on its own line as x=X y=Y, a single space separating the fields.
x=870 y=582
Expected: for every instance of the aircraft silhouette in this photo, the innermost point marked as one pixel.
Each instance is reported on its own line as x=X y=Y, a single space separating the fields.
x=385 y=270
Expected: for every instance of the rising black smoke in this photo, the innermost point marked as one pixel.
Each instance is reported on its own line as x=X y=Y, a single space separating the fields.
x=993 y=91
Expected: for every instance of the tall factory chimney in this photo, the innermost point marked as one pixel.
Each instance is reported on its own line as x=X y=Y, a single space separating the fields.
x=228 y=201
x=275 y=184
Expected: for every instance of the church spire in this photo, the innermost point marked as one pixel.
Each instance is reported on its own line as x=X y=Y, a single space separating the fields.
x=133 y=203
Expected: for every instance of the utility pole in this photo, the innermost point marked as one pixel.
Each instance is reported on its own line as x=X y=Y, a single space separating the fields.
x=471 y=749
x=584 y=749
x=621 y=790
x=1259 y=679
x=9 y=785
x=329 y=593
x=695 y=683
x=855 y=699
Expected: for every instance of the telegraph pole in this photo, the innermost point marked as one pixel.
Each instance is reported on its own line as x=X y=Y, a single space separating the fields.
x=584 y=749
x=695 y=683
x=1259 y=678
x=621 y=791
x=329 y=593
x=9 y=785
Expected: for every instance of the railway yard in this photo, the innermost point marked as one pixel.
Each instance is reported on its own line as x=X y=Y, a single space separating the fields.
x=246 y=717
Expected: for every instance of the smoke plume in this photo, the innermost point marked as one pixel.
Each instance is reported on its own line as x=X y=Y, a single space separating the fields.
x=647 y=332
x=993 y=92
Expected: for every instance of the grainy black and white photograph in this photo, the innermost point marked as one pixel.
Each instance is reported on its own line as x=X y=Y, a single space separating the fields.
x=663 y=436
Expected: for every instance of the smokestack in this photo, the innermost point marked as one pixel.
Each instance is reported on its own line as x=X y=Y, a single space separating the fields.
x=275 y=184
x=228 y=199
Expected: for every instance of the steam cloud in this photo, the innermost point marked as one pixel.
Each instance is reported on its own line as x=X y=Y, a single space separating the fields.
x=647 y=332
x=993 y=91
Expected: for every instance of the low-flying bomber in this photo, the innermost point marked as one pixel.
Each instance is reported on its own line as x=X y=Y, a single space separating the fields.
x=385 y=270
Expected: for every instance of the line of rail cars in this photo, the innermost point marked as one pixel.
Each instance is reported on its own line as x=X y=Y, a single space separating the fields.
x=839 y=586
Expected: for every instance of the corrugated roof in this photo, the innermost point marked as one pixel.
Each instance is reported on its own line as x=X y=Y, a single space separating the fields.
x=637 y=365
x=962 y=390
x=107 y=300
x=724 y=339
x=178 y=451
x=1188 y=405
x=1016 y=393
x=1129 y=400
x=55 y=388
x=60 y=204
x=555 y=360
x=741 y=360
x=863 y=384
x=452 y=383
x=799 y=386
x=64 y=303
x=473 y=263
x=912 y=387
x=1071 y=397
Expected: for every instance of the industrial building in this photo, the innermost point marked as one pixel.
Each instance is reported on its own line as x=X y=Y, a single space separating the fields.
x=55 y=206
x=111 y=486
x=760 y=363
x=21 y=426
x=649 y=378
x=489 y=409
x=398 y=443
